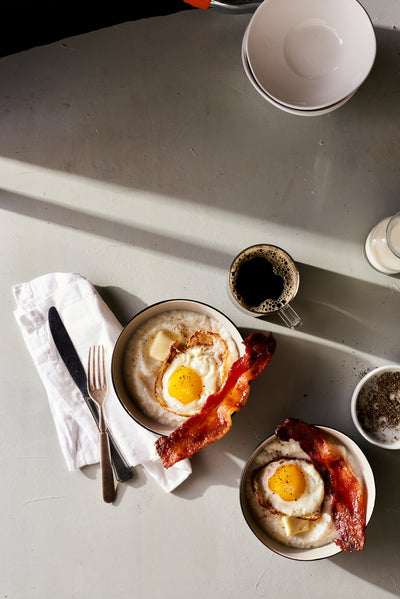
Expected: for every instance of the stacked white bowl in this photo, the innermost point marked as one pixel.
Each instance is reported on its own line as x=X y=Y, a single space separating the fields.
x=308 y=57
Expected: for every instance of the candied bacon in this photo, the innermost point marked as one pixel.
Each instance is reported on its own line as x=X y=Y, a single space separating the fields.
x=343 y=488
x=215 y=418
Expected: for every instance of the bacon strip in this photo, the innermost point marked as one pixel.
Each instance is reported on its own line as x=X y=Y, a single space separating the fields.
x=341 y=485
x=215 y=418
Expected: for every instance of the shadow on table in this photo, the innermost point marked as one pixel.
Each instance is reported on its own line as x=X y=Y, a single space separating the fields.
x=334 y=307
x=107 y=228
x=41 y=26
x=124 y=305
x=358 y=314
x=100 y=107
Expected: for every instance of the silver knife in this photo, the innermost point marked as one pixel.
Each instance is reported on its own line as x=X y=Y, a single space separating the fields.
x=70 y=357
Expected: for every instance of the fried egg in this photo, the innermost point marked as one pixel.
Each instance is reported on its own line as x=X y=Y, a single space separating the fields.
x=191 y=373
x=288 y=496
x=291 y=487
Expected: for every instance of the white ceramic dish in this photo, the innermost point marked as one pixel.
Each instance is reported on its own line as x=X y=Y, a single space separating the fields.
x=127 y=401
x=365 y=380
x=367 y=483
x=297 y=112
x=310 y=54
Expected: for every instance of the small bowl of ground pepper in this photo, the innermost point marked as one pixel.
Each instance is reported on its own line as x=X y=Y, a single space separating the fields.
x=375 y=407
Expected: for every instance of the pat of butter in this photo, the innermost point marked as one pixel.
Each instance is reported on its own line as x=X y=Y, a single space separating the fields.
x=161 y=344
x=295 y=526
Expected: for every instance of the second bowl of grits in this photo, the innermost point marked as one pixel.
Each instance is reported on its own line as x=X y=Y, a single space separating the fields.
x=169 y=358
x=305 y=531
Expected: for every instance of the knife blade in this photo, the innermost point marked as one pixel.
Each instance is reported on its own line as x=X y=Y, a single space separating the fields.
x=70 y=357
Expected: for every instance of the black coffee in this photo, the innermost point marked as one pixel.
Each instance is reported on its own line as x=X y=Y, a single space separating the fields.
x=257 y=282
x=263 y=278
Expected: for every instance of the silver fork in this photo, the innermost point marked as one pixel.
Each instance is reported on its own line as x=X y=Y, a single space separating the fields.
x=97 y=386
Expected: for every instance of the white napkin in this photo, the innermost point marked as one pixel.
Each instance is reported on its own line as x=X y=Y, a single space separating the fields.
x=88 y=321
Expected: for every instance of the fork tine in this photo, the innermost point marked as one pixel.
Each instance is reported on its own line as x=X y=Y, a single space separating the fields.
x=89 y=369
x=98 y=372
x=104 y=367
x=97 y=368
x=94 y=382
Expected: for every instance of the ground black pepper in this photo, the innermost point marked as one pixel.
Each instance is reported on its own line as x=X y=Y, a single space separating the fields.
x=378 y=407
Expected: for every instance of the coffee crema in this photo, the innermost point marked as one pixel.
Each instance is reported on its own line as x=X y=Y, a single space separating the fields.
x=263 y=279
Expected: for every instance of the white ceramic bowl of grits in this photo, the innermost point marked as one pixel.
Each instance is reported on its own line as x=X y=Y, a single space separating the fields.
x=310 y=54
x=360 y=468
x=139 y=322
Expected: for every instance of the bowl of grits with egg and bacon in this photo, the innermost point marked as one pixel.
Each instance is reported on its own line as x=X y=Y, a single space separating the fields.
x=170 y=358
x=181 y=369
x=308 y=492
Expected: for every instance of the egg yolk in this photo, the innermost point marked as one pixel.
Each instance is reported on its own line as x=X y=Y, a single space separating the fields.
x=288 y=482
x=185 y=385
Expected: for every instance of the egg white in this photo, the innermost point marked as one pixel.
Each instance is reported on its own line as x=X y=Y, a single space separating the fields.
x=202 y=361
x=319 y=532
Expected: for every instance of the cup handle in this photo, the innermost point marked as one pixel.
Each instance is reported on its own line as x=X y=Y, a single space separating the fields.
x=290 y=317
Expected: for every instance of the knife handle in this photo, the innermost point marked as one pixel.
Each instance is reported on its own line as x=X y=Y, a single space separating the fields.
x=123 y=471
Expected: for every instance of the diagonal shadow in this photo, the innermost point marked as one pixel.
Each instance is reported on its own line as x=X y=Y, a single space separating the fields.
x=333 y=307
x=357 y=314
x=110 y=229
x=201 y=130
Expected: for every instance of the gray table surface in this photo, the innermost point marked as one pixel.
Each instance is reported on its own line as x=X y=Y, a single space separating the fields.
x=143 y=148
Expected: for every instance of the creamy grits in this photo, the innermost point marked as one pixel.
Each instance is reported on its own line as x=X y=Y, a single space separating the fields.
x=140 y=369
x=319 y=532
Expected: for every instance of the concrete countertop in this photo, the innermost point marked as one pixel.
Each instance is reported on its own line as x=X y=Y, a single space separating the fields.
x=140 y=156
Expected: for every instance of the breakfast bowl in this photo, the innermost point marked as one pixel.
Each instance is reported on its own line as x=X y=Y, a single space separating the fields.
x=256 y=516
x=140 y=350
x=310 y=54
x=263 y=94
x=375 y=406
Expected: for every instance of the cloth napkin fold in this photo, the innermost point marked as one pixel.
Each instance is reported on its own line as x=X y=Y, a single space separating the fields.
x=88 y=321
